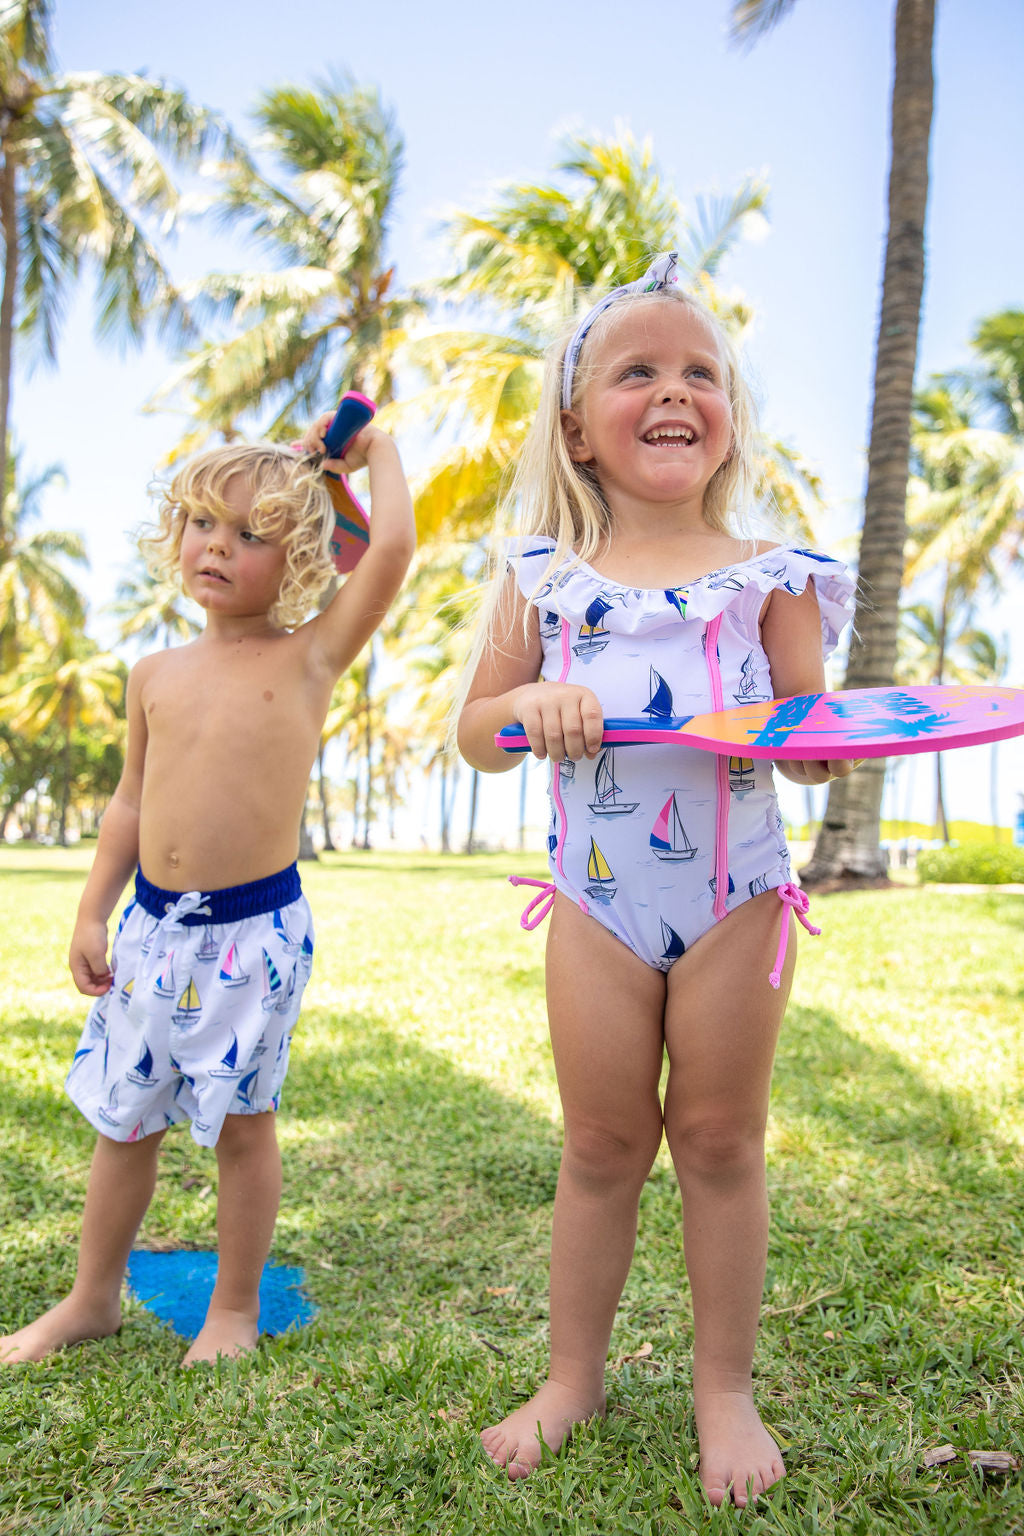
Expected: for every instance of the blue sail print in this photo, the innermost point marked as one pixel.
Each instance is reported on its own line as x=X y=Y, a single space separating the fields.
x=146 y=942
x=244 y=1089
x=142 y=1072
x=660 y=705
x=550 y=625
x=86 y=1050
x=674 y=946
x=272 y=983
x=593 y=637
x=229 y=1061
x=678 y=596
x=713 y=885
x=758 y=886
x=126 y=991
x=129 y=909
x=291 y=945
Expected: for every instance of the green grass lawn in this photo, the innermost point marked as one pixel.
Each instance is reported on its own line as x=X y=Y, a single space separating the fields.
x=420 y=1136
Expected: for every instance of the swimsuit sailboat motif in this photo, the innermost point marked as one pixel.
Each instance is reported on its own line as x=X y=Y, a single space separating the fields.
x=632 y=840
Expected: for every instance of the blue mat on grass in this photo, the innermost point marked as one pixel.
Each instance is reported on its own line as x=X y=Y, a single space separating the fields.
x=177 y=1288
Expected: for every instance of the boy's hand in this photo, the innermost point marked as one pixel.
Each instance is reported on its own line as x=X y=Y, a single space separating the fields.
x=560 y=720
x=88 y=959
x=355 y=454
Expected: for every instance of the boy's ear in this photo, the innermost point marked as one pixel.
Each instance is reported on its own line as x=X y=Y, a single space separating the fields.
x=575 y=436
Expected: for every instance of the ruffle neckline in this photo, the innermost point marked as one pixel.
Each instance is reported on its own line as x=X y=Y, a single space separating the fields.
x=575 y=587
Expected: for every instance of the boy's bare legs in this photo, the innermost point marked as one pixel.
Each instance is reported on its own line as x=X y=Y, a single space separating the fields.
x=248 y=1195
x=121 y=1183
x=605 y=1009
x=721 y=1026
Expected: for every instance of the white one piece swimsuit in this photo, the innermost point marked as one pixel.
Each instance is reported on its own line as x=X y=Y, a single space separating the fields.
x=658 y=843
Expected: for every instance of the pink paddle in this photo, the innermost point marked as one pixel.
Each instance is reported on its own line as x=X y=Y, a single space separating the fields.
x=858 y=722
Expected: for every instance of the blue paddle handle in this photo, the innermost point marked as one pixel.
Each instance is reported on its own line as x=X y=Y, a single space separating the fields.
x=515 y=737
x=351 y=417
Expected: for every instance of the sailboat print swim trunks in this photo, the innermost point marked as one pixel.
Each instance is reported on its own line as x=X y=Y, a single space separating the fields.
x=642 y=838
x=197 y=1024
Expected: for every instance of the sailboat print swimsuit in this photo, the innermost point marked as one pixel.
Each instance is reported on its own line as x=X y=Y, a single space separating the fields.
x=658 y=843
x=197 y=1023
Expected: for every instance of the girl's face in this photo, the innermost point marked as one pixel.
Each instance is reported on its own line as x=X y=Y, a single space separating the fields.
x=226 y=567
x=654 y=419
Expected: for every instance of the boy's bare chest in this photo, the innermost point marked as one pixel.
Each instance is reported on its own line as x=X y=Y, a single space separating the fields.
x=233 y=697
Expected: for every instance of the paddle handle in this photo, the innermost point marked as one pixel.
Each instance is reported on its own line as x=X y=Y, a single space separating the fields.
x=628 y=731
x=352 y=415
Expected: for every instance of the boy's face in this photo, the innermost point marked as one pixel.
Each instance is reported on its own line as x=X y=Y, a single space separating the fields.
x=225 y=567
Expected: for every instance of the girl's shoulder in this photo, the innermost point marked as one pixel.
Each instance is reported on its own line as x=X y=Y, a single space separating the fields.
x=569 y=587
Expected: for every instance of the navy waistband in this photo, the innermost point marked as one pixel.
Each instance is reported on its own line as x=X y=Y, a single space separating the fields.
x=227 y=906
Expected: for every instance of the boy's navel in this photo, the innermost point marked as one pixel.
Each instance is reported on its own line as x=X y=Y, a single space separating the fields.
x=268 y=694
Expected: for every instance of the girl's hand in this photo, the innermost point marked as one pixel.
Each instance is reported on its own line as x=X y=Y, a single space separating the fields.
x=560 y=720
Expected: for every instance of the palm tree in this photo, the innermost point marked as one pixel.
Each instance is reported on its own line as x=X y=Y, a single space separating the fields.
x=848 y=846
x=81 y=174
x=37 y=596
x=526 y=265
x=74 y=687
x=323 y=315
x=151 y=611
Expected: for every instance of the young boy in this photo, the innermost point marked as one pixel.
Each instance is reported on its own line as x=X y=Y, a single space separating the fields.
x=193 y=1015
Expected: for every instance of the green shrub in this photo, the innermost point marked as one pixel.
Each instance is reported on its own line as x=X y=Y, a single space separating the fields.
x=972 y=864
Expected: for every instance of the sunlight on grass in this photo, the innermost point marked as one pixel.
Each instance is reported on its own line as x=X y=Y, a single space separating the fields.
x=420 y=1134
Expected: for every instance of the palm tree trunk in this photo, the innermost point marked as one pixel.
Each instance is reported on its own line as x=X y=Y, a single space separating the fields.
x=368 y=750
x=849 y=846
x=474 y=786
x=446 y=810
x=9 y=220
x=321 y=779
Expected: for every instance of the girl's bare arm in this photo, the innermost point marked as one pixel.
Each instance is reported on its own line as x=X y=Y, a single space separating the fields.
x=791 y=636
x=560 y=719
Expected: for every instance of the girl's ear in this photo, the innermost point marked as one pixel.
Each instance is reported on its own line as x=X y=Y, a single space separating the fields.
x=575 y=436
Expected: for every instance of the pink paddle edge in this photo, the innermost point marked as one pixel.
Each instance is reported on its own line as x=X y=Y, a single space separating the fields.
x=875 y=722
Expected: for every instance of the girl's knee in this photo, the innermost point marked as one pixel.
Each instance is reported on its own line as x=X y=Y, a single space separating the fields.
x=600 y=1154
x=717 y=1149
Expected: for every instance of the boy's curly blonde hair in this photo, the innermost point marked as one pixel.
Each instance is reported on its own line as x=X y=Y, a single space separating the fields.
x=290 y=504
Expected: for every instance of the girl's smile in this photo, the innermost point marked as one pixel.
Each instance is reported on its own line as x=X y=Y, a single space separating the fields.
x=654 y=418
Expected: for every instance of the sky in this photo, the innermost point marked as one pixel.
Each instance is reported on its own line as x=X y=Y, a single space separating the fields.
x=484 y=95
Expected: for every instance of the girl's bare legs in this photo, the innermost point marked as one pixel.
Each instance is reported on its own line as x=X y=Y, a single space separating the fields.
x=121 y=1183
x=605 y=1009
x=721 y=1025
x=249 y=1192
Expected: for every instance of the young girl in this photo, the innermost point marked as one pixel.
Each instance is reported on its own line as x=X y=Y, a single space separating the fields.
x=671 y=894
x=193 y=1016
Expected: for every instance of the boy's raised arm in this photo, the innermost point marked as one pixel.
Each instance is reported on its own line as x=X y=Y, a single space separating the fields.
x=359 y=607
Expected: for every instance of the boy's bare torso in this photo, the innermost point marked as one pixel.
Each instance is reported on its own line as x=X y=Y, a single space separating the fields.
x=231 y=731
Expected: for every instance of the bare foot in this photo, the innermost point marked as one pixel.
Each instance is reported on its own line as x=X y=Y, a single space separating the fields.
x=515 y=1444
x=69 y=1322
x=738 y=1456
x=224 y=1334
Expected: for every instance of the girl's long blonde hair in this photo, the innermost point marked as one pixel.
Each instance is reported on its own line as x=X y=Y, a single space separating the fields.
x=552 y=496
x=290 y=503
